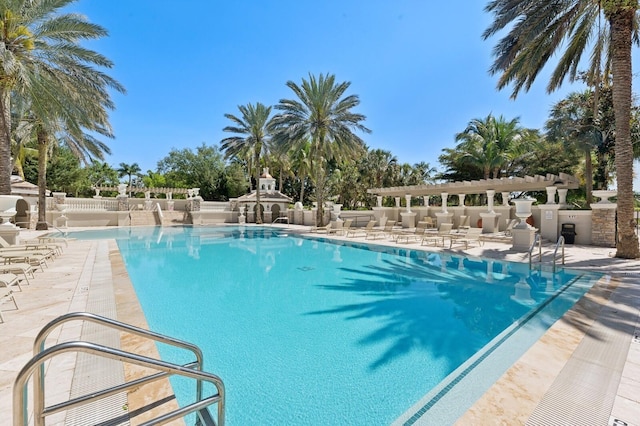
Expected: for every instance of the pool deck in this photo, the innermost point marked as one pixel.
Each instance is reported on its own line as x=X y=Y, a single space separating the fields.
x=586 y=368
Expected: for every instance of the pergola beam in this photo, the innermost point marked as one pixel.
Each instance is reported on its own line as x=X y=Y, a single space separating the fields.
x=513 y=184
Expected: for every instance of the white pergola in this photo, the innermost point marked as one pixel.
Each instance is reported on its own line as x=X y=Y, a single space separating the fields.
x=511 y=184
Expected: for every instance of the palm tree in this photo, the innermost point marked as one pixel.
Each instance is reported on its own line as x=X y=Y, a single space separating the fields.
x=128 y=170
x=42 y=61
x=301 y=163
x=538 y=29
x=322 y=115
x=485 y=143
x=252 y=135
x=572 y=121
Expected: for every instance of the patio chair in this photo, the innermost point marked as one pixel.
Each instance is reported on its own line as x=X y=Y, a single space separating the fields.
x=428 y=222
x=345 y=227
x=361 y=232
x=18 y=268
x=443 y=231
x=464 y=222
x=505 y=236
x=472 y=236
x=384 y=232
x=322 y=229
x=26 y=256
x=10 y=280
x=6 y=294
x=412 y=236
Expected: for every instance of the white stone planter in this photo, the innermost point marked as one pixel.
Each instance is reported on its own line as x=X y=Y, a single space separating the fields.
x=604 y=196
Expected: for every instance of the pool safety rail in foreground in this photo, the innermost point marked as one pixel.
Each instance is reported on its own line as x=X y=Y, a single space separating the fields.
x=192 y=370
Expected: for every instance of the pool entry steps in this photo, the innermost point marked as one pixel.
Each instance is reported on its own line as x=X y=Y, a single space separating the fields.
x=96 y=397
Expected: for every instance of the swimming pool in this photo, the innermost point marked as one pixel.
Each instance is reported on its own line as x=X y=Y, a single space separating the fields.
x=304 y=331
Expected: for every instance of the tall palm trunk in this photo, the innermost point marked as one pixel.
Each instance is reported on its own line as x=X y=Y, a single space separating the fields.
x=302 y=179
x=257 y=165
x=621 y=19
x=588 y=178
x=43 y=145
x=320 y=195
x=5 y=141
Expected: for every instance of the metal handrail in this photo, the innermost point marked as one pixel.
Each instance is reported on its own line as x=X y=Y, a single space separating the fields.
x=559 y=244
x=19 y=387
x=281 y=218
x=537 y=240
x=39 y=343
x=159 y=210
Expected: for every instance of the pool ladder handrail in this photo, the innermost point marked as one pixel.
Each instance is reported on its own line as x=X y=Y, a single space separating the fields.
x=35 y=367
x=536 y=241
x=281 y=219
x=559 y=245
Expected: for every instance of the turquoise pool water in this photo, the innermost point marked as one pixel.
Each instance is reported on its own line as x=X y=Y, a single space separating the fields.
x=307 y=332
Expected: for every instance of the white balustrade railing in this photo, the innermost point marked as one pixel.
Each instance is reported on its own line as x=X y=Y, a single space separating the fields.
x=84 y=204
x=214 y=205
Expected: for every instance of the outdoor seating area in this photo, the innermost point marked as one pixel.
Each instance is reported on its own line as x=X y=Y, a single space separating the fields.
x=19 y=262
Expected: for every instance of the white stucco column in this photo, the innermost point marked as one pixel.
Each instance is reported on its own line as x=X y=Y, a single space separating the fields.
x=444 y=196
x=398 y=202
x=407 y=198
x=490 y=194
x=551 y=194
x=425 y=198
x=505 y=198
x=461 y=199
x=379 y=200
x=562 y=196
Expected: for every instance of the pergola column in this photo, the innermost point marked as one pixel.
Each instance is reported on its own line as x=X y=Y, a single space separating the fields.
x=425 y=198
x=551 y=194
x=461 y=199
x=408 y=217
x=444 y=196
x=490 y=194
x=379 y=200
x=562 y=196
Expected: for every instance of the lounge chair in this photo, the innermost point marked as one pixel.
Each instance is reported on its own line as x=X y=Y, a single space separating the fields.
x=464 y=222
x=384 y=232
x=361 y=232
x=341 y=230
x=435 y=237
x=10 y=280
x=412 y=236
x=6 y=294
x=26 y=256
x=472 y=236
x=31 y=245
x=428 y=222
x=18 y=268
x=505 y=236
x=322 y=229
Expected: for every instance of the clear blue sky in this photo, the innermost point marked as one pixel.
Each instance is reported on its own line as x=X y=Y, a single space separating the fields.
x=419 y=67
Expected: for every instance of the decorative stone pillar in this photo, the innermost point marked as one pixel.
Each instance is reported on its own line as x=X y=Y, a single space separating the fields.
x=551 y=194
x=444 y=196
x=490 y=194
x=379 y=200
x=398 y=202
x=562 y=196
x=193 y=204
x=425 y=198
x=408 y=217
x=461 y=199
x=505 y=198
x=603 y=220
